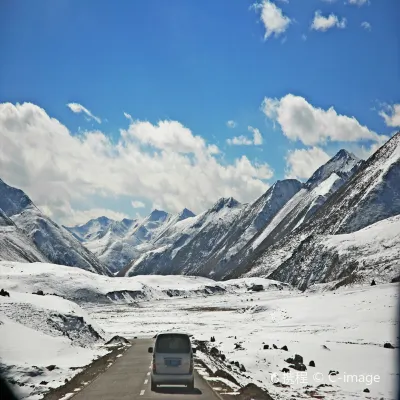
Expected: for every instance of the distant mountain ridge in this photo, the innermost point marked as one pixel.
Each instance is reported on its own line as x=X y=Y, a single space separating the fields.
x=295 y=232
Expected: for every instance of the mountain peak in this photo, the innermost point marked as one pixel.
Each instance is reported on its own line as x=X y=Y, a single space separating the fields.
x=185 y=213
x=228 y=202
x=157 y=215
x=344 y=154
x=343 y=163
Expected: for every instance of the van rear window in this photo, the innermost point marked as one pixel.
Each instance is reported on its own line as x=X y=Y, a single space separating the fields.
x=173 y=343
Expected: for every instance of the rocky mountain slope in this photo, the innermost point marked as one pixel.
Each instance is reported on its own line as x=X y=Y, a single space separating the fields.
x=203 y=245
x=54 y=242
x=371 y=196
x=325 y=181
x=15 y=245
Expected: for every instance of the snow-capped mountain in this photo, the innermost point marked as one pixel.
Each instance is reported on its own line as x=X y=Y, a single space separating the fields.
x=203 y=245
x=15 y=245
x=54 y=242
x=93 y=229
x=296 y=211
x=116 y=243
x=370 y=196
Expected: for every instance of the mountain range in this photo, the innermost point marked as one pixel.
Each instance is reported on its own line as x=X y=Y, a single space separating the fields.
x=299 y=233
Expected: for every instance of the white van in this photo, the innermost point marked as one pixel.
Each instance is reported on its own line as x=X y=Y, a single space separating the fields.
x=172 y=360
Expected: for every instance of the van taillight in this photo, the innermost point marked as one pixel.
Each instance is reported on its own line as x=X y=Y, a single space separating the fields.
x=154 y=363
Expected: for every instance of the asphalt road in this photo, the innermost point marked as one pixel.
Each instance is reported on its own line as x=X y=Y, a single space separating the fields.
x=129 y=378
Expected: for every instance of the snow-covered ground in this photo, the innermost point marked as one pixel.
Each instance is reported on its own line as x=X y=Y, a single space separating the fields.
x=343 y=331
x=41 y=339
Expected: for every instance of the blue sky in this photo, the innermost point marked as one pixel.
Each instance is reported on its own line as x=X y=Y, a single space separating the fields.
x=201 y=63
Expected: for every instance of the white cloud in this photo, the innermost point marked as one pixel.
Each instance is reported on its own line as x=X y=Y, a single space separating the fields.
x=231 y=124
x=275 y=22
x=240 y=141
x=257 y=137
x=245 y=141
x=304 y=37
x=301 y=164
x=128 y=116
x=163 y=162
x=392 y=117
x=321 y=23
x=366 y=25
x=138 y=204
x=78 y=108
x=299 y=120
x=358 y=2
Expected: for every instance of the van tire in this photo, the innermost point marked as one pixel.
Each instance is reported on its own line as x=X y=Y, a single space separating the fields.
x=153 y=387
x=191 y=385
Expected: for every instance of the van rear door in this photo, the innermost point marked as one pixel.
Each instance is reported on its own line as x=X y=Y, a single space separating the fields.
x=172 y=354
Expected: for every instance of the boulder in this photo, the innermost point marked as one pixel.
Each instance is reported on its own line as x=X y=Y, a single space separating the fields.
x=284 y=348
x=116 y=340
x=4 y=293
x=298 y=367
x=214 y=351
x=298 y=359
x=388 y=346
x=219 y=373
x=311 y=363
x=257 y=288
x=266 y=346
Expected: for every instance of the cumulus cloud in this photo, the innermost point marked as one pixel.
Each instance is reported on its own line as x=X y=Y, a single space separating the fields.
x=231 y=124
x=366 y=25
x=275 y=22
x=321 y=23
x=299 y=120
x=392 y=116
x=78 y=108
x=302 y=163
x=138 y=204
x=164 y=163
x=245 y=141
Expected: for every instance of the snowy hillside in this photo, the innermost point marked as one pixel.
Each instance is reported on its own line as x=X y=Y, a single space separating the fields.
x=358 y=257
x=83 y=287
x=15 y=245
x=43 y=341
x=370 y=196
x=53 y=241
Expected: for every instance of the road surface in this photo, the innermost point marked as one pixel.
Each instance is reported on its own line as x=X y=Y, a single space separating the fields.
x=129 y=378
